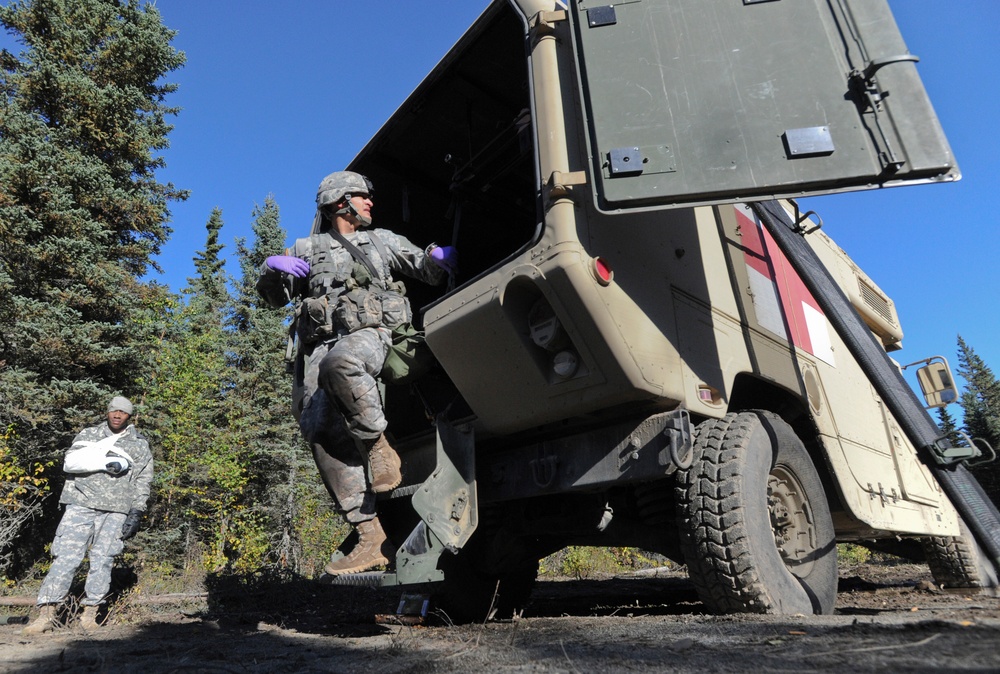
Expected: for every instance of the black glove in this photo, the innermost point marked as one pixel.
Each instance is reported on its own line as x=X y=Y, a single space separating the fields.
x=116 y=467
x=131 y=526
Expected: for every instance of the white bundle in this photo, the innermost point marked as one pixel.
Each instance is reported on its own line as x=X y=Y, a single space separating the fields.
x=97 y=456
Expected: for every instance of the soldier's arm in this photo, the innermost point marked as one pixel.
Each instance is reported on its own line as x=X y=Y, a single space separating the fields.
x=80 y=458
x=275 y=287
x=142 y=480
x=407 y=258
x=278 y=288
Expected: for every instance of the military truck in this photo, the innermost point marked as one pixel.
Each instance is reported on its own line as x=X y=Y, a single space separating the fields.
x=648 y=344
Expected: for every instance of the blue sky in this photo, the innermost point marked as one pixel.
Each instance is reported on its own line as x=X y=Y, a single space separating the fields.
x=275 y=96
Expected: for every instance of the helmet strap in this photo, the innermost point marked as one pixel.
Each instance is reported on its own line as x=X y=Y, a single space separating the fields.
x=350 y=209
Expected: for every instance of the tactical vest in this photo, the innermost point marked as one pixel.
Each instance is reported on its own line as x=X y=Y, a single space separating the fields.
x=342 y=295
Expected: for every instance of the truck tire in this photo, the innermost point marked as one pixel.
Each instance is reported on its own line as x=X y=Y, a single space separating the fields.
x=959 y=562
x=755 y=525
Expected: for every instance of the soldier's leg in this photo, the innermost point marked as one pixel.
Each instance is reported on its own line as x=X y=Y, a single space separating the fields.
x=340 y=463
x=342 y=468
x=107 y=545
x=347 y=374
x=68 y=549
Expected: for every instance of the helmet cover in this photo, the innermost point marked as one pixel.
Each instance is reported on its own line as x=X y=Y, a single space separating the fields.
x=338 y=185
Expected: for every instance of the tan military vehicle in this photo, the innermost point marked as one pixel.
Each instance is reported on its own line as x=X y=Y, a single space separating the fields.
x=648 y=344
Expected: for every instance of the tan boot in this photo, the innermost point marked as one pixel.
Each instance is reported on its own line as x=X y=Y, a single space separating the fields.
x=88 y=619
x=373 y=549
x=385 y=465
x=45 y=622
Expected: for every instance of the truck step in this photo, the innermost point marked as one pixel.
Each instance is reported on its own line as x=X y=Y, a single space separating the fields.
x=363 y=579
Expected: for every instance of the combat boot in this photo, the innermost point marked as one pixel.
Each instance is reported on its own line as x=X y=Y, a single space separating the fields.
x=385 y=465
x=373 y=549
x=45 y=622
x=88 y=619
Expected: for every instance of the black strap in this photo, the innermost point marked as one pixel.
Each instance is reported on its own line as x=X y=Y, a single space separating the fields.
x=358 y=254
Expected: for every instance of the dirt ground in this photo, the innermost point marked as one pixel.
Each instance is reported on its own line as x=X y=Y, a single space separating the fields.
x=886 y=618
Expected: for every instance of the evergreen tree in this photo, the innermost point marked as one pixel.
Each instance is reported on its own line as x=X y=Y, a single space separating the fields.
x=210 y=283
x=286 y=486
x=81 y=211
x=981 y=405
x=201 y=475
x=82 y=214
x=949 y=429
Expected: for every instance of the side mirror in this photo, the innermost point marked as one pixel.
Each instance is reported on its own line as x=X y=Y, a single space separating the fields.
x=936 y=382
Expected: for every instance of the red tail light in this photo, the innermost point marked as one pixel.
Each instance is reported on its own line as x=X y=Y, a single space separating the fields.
x=602 y=271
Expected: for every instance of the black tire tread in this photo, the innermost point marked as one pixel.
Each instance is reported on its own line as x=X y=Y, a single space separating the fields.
x=716 y=551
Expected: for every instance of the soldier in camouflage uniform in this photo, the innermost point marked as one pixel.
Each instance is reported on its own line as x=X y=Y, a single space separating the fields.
x=109 y=470
x=348 y=303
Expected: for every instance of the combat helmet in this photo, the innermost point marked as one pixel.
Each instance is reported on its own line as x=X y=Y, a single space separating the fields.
x=336 y=187
x=341 y=184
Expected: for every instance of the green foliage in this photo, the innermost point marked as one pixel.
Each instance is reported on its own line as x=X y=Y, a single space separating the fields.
x=583 y=562
x=949 y=429
x=318 y=528
x=22 y=492
x=849 y=554
x=233 y=482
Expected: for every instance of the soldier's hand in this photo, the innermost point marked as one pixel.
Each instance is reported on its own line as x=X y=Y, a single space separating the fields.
x=288 y=264
x=131 y=526
x=445 y=257
x=116 y=467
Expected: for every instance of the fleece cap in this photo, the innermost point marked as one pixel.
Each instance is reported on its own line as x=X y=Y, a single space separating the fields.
x=121 y=404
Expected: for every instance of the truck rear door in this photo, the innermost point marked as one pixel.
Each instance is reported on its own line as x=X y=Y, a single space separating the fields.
x=708 y=101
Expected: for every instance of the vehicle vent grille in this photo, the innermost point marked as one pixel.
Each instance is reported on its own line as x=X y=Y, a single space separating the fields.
x=877 y=301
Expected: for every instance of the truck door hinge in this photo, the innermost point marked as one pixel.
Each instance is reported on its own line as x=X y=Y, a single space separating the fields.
x=543 y=22
x=558 y=185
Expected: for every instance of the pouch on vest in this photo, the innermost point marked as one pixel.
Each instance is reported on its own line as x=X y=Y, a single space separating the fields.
x=316 y=320
x=395 y=309
x=358 y=308
x=408 y=358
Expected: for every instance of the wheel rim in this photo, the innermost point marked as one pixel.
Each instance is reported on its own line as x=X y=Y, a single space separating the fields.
x=791 y=520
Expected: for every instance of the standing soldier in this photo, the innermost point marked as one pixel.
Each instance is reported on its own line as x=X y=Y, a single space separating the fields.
x=350 y=304
x=109 y=469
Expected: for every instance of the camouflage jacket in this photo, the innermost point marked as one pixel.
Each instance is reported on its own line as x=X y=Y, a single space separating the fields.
x=113 y=493
x=332 y=268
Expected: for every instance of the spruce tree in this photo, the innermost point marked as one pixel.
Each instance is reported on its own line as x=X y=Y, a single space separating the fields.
x=202 y=475
x=286 y=483
x=981 y=406
x=949 y=429
x=81 y=211
x=210 y=283
x=82 y=215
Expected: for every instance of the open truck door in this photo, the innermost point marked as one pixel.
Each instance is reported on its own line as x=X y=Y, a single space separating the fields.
x=692 y=102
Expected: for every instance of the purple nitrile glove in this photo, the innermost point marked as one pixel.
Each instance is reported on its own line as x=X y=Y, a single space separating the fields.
x=288 y=264
x=445 y=257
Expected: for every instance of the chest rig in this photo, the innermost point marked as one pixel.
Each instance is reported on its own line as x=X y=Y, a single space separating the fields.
x=347 y=291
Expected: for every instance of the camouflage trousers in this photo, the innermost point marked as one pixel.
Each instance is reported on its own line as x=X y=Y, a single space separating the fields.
x=342 y=405
x=79 y=528
x=347 y=373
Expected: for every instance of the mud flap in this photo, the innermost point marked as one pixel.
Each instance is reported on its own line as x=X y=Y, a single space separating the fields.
x=448 y=507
